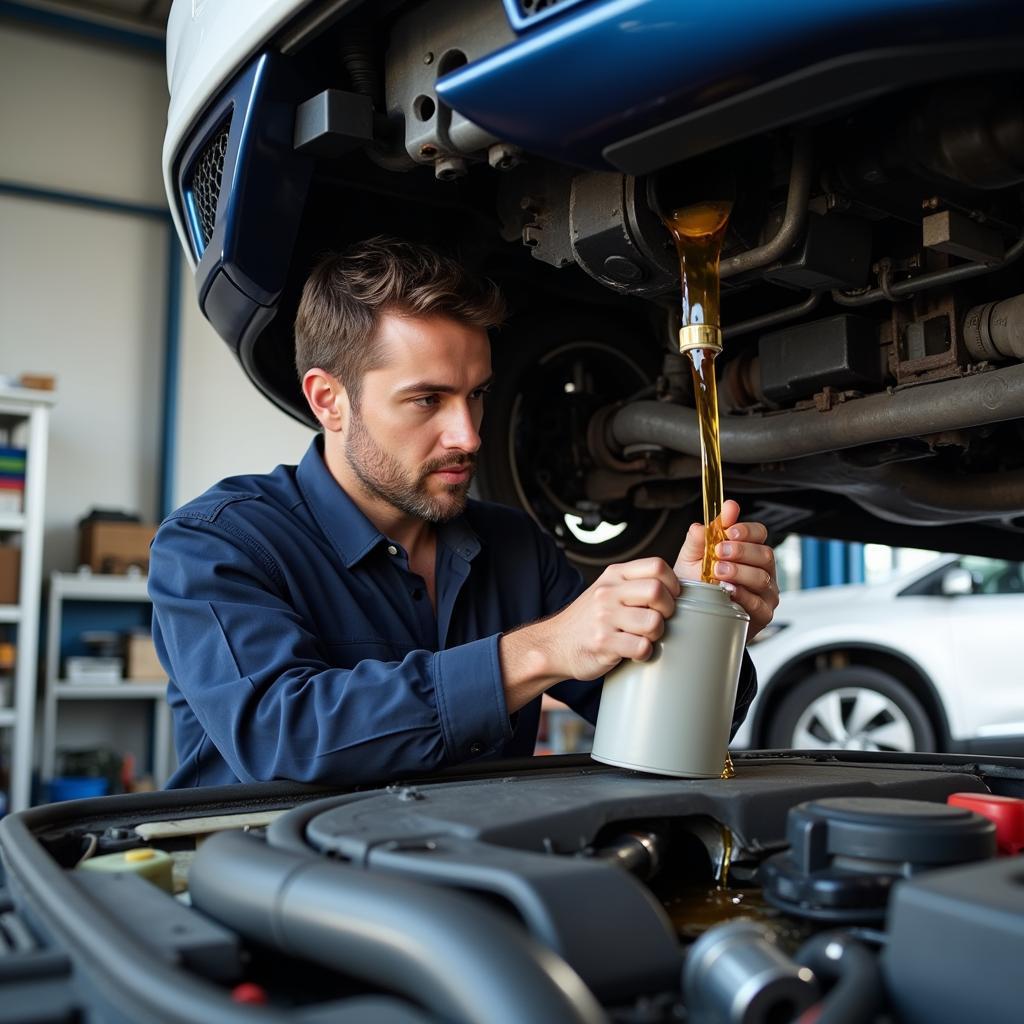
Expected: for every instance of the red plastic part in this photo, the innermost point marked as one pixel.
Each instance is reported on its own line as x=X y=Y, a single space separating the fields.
x=1006 y=812
x=249 y=992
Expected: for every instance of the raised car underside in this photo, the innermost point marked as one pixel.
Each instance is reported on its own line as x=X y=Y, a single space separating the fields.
x=871 y=384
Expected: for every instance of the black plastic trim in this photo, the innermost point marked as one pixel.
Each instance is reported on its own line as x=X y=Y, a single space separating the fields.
x=806 y=94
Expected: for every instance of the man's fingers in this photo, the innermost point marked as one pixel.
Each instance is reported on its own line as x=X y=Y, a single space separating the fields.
x=693 y=545
x=756 y=533
x=747 y=554
x=756 y=607
x=645 y=622
x=656 y=569
x=648 y=593
x=758 y=581
x=628 y=645
x=730 y=513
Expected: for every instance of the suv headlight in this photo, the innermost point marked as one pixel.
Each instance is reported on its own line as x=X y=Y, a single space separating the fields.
x=772 y=629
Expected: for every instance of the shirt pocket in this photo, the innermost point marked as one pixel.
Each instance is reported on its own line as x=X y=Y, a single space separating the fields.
x=348 y=653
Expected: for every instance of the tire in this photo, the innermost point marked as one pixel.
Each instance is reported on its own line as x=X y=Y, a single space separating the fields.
x=535 y=454
x=854 y=708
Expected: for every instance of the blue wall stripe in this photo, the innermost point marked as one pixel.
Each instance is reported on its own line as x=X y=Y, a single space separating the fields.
x=84 y=27
x=172 y=314
x=172 y=346
x=83 y=199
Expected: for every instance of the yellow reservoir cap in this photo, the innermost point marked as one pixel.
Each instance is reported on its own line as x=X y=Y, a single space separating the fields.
x=153 y=865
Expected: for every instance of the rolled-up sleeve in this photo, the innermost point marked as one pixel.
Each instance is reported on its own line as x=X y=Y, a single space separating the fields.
x=261 y=686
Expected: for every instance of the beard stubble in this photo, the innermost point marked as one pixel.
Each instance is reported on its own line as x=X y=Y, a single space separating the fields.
x=384 y=477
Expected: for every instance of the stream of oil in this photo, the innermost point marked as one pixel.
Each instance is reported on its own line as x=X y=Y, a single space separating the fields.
x=694 y=908
x=698 y=231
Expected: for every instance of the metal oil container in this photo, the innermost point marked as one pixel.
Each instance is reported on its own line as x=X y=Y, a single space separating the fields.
x=671 y=715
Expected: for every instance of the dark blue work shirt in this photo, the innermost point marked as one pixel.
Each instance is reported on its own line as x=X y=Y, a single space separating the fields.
x=299 y=644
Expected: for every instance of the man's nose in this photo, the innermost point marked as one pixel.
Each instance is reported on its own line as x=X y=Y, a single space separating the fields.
x=461 y=429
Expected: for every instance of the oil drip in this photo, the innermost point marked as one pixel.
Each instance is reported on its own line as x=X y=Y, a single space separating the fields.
x=723 y=868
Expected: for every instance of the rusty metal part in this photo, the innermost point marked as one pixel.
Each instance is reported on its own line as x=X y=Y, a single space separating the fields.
x=989 y=397
x=995 y=330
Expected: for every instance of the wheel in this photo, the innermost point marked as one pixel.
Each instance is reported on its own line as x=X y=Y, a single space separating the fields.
x=854 y=708
x=552 y=376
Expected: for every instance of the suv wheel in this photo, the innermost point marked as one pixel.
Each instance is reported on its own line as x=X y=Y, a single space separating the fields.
x=554 y=375
x=854 y=708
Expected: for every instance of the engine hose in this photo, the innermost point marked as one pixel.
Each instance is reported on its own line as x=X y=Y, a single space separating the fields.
x=461 y=959
x=990 y=397
x=858 y=993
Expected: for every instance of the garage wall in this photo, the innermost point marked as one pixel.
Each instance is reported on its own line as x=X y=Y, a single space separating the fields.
x=225 y=426
x=83 y=290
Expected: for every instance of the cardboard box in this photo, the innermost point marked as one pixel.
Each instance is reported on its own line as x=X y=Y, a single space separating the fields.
x=115 y=547
x=141 y=662
x=10 y=572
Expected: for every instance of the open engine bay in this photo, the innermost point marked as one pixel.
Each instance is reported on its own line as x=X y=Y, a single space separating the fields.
x=808 y=887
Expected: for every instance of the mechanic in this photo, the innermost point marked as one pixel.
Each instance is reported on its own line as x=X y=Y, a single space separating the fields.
x=357 y=617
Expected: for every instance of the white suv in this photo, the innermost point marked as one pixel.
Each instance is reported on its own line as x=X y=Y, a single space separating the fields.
x=927 y=660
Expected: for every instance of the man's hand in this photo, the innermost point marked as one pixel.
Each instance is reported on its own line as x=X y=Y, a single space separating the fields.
x=621 y=615
x=744 y=562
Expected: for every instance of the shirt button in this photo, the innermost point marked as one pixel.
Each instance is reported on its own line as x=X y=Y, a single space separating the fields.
x=417 y=595
x=476 y=749
x=392 y=550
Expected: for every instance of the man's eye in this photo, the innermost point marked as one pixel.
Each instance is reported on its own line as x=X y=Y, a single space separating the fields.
x=426 y=401
x=480 y=392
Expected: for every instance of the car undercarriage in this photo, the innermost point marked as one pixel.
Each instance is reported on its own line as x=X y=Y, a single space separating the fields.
x=871 y=385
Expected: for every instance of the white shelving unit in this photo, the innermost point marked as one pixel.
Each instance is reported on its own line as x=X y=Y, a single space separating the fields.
x=86 y=586
x=24 y=421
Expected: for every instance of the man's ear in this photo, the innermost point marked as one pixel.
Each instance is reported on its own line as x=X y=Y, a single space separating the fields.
x=327 y=398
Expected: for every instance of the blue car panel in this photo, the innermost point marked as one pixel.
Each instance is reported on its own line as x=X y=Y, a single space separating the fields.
x=601 y=72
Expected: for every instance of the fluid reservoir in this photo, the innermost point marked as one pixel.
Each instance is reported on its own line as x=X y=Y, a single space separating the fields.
x=846 y=853
x=153 y=865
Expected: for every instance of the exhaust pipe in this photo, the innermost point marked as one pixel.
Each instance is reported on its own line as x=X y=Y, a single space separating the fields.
x=990 y=397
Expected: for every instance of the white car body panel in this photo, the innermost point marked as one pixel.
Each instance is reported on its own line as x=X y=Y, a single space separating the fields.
x=208 y=41
x=961 y=644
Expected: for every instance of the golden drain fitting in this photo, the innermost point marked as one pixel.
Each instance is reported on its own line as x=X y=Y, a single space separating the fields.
x=700 y=336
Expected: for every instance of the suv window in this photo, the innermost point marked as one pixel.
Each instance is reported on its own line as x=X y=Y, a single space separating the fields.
x=990 y=576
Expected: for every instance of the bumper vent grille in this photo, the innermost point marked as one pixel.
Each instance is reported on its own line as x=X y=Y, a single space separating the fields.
x=204 y=186
x=531 y=9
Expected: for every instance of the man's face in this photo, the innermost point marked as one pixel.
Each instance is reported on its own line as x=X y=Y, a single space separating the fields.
x=413 y=436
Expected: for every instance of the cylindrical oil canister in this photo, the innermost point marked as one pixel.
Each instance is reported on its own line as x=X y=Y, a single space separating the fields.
x=671 y=714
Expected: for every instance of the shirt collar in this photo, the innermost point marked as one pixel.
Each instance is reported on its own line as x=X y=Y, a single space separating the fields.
x=346 y=526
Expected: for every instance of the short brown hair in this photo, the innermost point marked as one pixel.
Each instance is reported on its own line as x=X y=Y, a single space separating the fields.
x=347 y=292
